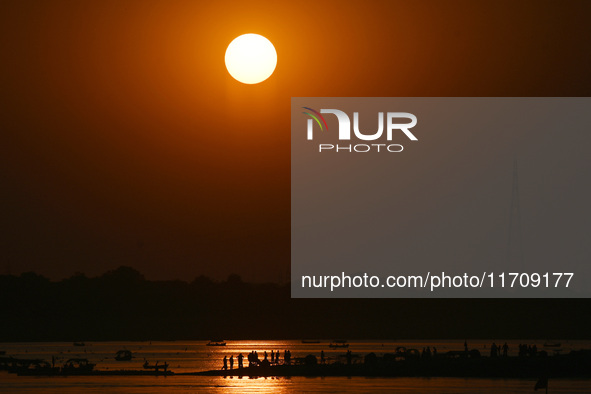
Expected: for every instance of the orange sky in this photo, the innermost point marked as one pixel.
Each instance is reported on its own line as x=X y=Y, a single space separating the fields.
x=125 y=141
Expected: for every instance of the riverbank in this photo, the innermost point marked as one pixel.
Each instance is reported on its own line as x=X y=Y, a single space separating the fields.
x=576 y=364
x=369 y=361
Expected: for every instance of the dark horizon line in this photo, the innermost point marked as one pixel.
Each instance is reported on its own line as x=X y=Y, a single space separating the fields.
x=130 y=271
x=89 y=342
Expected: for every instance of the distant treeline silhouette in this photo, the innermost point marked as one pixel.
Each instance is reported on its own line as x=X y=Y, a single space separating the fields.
x=123 y=305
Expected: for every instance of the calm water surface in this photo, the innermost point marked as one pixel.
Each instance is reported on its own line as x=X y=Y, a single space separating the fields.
x=189 y=356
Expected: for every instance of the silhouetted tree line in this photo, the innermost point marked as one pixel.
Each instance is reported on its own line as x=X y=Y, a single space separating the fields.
x=123 y=305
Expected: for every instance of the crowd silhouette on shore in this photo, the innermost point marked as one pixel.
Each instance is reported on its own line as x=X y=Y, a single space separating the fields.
x=527 y=350
x=495 y=351
x=255 y=361
x=275 y=357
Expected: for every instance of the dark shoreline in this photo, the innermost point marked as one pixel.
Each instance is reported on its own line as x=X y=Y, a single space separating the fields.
x=576 y=364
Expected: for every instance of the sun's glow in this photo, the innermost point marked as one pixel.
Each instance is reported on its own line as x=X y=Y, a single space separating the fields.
x=251 y=58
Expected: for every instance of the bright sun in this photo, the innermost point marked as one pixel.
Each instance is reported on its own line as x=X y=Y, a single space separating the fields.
x=251 y=58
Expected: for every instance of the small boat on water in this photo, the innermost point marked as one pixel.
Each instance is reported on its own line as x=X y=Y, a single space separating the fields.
x=123 y=355
x=339 y=343
x=156 y=367
x=36 y=368
x=552 y=344
x=216 y=342
x=310 y=341
x=79 y=344
x=77 y=365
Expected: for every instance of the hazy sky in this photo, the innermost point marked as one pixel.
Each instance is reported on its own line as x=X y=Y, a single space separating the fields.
x=125 y=140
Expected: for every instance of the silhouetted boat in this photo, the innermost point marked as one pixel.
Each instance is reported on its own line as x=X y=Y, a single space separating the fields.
x=14 y=365
x=216 y=342
x=552 y=344
x=310 y=341
x=156 y=367
x=79 y=344
x=339 y=343
x=123 y=355
x=77 y=365
x=41 y=368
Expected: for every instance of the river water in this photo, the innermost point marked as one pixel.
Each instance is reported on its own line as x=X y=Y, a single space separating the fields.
x=191 y=356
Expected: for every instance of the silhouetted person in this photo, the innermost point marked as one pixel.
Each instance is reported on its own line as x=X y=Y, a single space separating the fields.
x=542 y=383
x=265 y=355
x=349 y=357
x=322 y=357
x=493 y=350
x=466 y=346
x=225 y=367
x=505 y=350
x=434 y=351
x=232 y=362
x=240 y=357
x=272 y=356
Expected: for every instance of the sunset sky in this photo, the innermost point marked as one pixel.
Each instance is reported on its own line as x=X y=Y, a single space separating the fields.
x=126 y=142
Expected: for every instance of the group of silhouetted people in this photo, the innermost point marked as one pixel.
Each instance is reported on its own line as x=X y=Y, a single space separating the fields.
x=527 y=350
x=253 y=359
x=240 y=357
x=427 y=353
x=524 y=350
x=495 y=351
